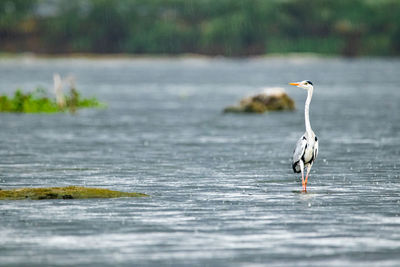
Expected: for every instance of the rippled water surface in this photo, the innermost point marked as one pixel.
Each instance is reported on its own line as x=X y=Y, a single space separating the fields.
x=221 y=186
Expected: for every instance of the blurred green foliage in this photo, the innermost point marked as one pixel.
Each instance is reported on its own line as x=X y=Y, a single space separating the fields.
x=223 y=27
x=38 y=101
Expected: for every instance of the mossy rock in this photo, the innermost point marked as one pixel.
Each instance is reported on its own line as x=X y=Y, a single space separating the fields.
x=70 y=192
x=270 y=100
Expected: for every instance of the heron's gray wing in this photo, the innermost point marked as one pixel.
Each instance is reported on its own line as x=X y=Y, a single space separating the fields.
x=316 y=148
x=300 y=148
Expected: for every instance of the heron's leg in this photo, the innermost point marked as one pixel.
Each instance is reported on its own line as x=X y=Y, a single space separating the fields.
x=302 y=174
x=308 y=172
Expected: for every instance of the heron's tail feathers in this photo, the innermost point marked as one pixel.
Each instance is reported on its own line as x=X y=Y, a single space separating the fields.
x=296 y=167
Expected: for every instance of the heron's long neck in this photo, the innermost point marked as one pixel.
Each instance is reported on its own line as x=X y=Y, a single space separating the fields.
x=306 y=112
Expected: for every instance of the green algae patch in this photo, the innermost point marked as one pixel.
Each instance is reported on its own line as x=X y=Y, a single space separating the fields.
x=70 y=192
x=39 y=101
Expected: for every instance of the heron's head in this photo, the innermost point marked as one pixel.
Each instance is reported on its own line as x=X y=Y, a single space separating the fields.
x=307 y=85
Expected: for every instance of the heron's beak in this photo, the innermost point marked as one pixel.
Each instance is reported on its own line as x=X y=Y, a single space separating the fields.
x=295 y=84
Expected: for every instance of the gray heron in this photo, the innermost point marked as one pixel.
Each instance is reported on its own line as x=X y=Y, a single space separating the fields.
x=306 y=150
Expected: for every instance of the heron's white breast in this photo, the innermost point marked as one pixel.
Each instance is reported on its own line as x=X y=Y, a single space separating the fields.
x=308 y=154
x=309 y=151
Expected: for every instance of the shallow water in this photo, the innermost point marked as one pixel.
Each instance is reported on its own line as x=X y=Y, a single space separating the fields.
x=222 y=189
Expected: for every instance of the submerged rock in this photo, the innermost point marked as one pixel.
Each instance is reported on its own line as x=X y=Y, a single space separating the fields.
x=272 y=99
x=70 y=192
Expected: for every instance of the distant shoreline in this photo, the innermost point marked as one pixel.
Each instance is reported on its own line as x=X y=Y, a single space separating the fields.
x=4 y=55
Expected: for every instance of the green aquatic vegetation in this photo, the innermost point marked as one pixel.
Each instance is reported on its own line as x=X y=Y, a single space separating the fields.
x=70 y=192
x=39 y=101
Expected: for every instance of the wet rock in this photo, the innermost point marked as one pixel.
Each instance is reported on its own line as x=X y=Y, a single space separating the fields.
x=70 y=192
x=272 y=99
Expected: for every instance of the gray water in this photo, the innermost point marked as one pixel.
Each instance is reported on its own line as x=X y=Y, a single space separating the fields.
x=221 y=186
